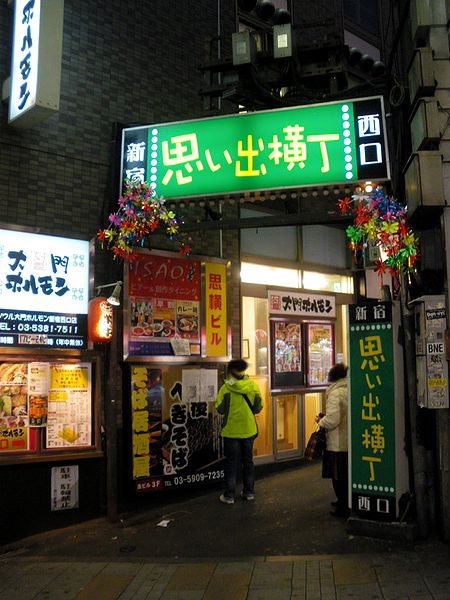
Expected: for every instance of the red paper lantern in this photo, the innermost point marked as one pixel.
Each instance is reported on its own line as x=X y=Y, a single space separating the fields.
x=100 y=320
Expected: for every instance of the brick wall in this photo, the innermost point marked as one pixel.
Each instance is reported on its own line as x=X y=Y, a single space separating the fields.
x=123 y=64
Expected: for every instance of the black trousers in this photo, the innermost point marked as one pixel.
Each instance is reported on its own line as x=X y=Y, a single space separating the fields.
x=335 y=467
x=340 y=487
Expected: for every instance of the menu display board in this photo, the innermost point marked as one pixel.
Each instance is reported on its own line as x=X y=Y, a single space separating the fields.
x=44 y=291
x=175 y=307
x=319 y=352
x=14 y=432
x=69 y=406
x=163 y=304
x=287 y=353
x=56 y=398
x=301 y=338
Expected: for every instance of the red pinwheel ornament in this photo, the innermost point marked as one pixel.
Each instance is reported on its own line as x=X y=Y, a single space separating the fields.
x=380 y=219
x=140 y=213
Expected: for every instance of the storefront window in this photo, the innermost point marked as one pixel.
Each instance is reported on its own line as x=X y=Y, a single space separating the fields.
x=255 y=341
x=295 y=278
x=341 y=284
x=263 y=444
x=267 y=275
x=288 y=417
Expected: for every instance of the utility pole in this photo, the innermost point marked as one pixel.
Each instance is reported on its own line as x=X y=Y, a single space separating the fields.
x=417 y=452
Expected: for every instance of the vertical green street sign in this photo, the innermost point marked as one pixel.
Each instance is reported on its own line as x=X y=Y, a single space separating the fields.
x=321 y=144
x=372 y=411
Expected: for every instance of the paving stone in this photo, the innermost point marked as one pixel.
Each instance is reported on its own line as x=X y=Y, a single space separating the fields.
x=271 y=575
x=104 y=587
x=122 y=568
x=269 y=594
x=235 y=567
x=182 y=595
x=369 y=591
x=404 y=588
x=228 y=586
x=191 y=577
x=353 y=571
x=299 y=578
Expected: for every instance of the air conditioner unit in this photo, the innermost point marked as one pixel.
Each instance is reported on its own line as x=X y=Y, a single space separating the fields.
x=421 y=19
x=244 y=47
x=424 y=185
x=421 y=80
x=424 y=124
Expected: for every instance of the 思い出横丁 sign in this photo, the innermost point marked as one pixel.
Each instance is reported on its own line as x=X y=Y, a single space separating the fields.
x=319 y=144
x=373 y=443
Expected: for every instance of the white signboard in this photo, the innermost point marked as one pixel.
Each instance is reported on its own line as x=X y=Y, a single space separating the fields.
x=65 y=481
x=36 y=61
x=301 y=304
x=44 y=290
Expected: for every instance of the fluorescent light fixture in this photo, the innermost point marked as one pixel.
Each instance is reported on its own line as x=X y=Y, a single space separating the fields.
x=268 y=275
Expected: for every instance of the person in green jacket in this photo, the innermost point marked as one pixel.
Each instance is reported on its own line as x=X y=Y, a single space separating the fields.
x=238 y=400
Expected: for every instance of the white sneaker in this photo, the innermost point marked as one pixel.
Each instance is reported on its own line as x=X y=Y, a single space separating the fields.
x=226 y=499
x=249 y=496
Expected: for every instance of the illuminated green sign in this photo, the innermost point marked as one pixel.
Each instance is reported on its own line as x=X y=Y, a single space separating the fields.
x=373 y=480
x=312 y=145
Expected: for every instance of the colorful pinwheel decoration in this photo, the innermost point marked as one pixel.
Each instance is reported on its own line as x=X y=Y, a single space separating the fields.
x=140 y=213
x=381 y=219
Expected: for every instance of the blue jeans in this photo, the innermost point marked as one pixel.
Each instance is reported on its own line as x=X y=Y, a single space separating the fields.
x=239 y=451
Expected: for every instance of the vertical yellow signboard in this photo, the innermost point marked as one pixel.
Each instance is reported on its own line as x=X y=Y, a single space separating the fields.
x=216 y=309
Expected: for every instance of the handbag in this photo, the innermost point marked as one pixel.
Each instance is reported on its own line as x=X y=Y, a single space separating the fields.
x=317 y=444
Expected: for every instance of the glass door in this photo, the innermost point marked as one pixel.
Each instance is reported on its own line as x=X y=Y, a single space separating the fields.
x=287 y=425
x=254 y=345
x=312 y=406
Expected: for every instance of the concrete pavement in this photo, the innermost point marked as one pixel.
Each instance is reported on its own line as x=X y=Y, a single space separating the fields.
x=283 y=546
x=396 y=576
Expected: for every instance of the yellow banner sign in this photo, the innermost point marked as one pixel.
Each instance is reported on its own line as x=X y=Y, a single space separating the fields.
x=216 y=309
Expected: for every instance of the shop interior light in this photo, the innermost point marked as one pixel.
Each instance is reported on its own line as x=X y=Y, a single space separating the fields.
x=114 y=299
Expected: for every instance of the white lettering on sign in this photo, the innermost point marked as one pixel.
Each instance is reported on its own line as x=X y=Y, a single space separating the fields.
x=369 y=125
x=370 y=154
x=24 y=74
x=435 y=348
